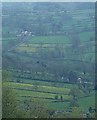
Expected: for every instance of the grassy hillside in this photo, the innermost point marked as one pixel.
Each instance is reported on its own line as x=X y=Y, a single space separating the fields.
x=50 y=51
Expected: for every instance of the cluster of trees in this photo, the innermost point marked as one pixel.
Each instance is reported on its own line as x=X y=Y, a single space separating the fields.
x=50 y=22
x=35 y=108
x=60 y=70
x=57 y=97
x=12 y=109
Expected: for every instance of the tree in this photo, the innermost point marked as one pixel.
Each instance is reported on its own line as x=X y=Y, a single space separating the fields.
x=12 y=109
x=6 y=76
x=61 y=97
x=72 y=77
x=75 y=40
x=8 y=102
x=8 y=97
x=76 y=113
x=56 y=97
x=74 y=92
x=18 y=80
x=36 y=108
x=74 y=103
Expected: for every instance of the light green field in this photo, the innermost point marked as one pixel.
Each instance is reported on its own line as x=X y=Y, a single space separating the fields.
x=49 y=39
x=39 y=88
x=86 y=102
x=85 y=36
x=42 y=89
x=26 y=49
